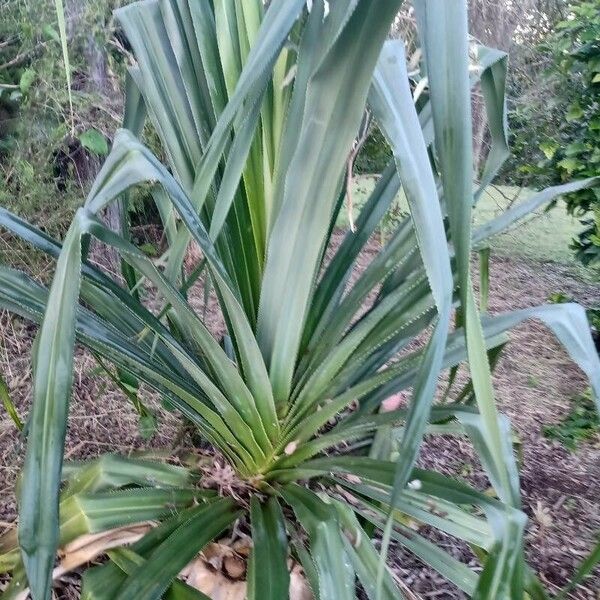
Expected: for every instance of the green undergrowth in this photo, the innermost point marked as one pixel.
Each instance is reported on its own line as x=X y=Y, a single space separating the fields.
x=580 y=425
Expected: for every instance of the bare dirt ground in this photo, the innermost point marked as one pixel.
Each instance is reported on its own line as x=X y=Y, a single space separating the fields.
x=534 y=382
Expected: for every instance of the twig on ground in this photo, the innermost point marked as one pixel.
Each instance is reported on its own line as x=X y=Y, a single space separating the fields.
x=21 y=58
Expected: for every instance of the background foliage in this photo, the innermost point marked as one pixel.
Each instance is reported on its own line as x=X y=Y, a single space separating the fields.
x=555 y=120
x=48 y=155
x=48 y=158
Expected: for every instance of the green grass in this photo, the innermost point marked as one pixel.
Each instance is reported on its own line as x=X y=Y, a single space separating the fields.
x=544 y=236
x=580 y=425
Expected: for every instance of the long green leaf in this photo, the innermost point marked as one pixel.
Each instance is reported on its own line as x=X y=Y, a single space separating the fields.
x=268 y=572
x=392 y=104
x=135 y=164
x=569 y=324
x=493 y=66
x=319 y=519
x=103 y=582
x=152 y=578
x=91 y=513
x=335 y=99
x=111 y=471
x=8 y=404
x=506 y=524
x=443 y=28
x=584 y=569
x=522 y=210
x=38 y=502
x=20 y=294
x=363 y=555
x=62 y=30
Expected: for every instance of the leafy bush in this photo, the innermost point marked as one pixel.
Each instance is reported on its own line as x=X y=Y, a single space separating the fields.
x=375 y=154
x=565 y=119
x=48 y=153
x=257 y=110
x=33 y=125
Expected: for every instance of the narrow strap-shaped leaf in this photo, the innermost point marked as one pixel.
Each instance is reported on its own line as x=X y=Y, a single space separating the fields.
x=392 y=104
x=165 y=93
x=490 y=64
x=268 y=577
x=507 y=524
x=134 y=164
x=22 y=295
x=391 y=101
x=309 y=51
x=133 y=119
x=490 y=70
x=327 y=336
x=228 y=376
x=234 y=168
x=319 y=519
x=97 y=288
x=81 y=514
x=363 y=555
x=62 y=30
x=443 y=28
x=113 y=471
x=369 y=393
x=331 y=285
x=134 y=112
x=493 y=66
x=38 y=503
x=9 y=407
x=583 y=570
x=423 y=392
x=275 y=27
x=203 y=21
x=570 y=325
x=228 y=39
x=176 y=15
x=443 y=562
x=405 y=304
x=102 y=583
x=311 y=185
x=152 y=578
x=445 y=516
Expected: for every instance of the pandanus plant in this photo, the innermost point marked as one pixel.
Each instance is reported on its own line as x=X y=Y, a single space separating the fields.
x=256 y=108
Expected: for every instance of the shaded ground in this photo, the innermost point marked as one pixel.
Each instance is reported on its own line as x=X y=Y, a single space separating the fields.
x=534 y=382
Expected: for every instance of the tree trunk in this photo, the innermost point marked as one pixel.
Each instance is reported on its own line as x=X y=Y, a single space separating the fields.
x=96 y=83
